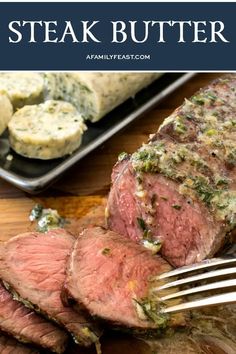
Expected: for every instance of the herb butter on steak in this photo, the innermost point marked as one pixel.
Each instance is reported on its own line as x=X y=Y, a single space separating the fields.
x=179 y=188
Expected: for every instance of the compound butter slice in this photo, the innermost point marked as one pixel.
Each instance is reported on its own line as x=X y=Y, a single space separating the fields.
x=23 y=88
x=6 y=111
x=46 y=131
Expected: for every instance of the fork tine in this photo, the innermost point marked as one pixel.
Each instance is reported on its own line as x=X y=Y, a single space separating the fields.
x=209 y=301
x=197 y=266
x=212 y=274
x=199 y=289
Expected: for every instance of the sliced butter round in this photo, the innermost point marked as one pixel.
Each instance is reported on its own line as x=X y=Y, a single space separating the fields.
x=46 y=131
x=6 y=112
x=22 y=87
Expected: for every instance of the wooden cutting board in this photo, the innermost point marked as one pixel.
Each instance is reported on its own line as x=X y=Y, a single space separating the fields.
x=84 y=211
x=15 y=213
x=80 y=212
x=80 y=196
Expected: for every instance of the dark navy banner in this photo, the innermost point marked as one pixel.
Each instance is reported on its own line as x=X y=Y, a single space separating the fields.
x=118 y=36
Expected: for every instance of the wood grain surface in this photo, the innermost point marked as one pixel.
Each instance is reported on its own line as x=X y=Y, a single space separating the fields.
x=80 y=195
x=84 y=186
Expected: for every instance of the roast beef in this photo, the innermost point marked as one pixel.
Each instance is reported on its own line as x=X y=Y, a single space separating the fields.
x=110 y=276
x=33 y=267
x=10 y=346
x=179 y=188
x=27 y=326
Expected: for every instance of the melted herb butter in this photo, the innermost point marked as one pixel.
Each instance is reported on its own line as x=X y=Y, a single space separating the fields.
x=148 y=309
x=122 y=156
x=153 y=245
x=155 y=158
x=201 y=186
x=222 y=201
x=194 y=183
x=47 y=219
x=146 y=159
x=231 y=156
x=206 y=98
x=106 y=251
x=147 y=235
x=216 y=126
x=225 y=205
x=179 y=124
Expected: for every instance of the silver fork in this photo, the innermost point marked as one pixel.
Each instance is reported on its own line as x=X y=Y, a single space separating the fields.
x=209 y=274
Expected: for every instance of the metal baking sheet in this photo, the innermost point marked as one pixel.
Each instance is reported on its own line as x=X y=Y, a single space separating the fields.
x=34 y=175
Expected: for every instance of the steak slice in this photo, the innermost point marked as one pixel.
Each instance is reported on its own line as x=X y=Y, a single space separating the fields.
x=33 y=266
x=11 y=346
x=110 y=277
x=180 y=187
x=28 y=327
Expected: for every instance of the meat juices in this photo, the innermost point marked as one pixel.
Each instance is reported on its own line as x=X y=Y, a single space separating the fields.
x=179 y=188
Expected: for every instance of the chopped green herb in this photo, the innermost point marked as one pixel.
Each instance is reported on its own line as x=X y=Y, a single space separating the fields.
x=146 y=159
x=221 y=181
x=203 y=188
x=152 y=310
x=122 y=156
x=106 y=251
x=179 y=124
x=46 y=218
x=146 y=232
x=142 y=224
x=189 y=116
x=231 y=157
x=36 y=212
x=198 y=100
x=84 y=88
x=211 y=96
x=176 y=206
x=211 y=132
x=153 y=246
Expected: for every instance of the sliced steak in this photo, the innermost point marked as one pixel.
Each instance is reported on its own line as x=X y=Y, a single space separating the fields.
x=33 y=266
x=110 y=277
x=11 y=346
x=28 y=327
x=180 y=187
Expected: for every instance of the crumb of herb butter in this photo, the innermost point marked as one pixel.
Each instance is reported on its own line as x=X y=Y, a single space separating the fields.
x=153 y=246
x=9 y=157
x=47 y=219
x=122 y=156
x=106 y=251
